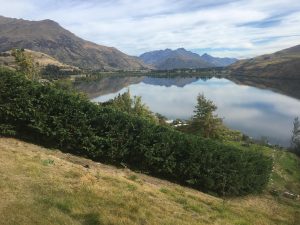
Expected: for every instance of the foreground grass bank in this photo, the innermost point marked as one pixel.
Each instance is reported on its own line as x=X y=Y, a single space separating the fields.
x=41 y=186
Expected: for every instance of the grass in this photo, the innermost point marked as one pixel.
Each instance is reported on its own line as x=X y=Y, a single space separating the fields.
x=41 y=186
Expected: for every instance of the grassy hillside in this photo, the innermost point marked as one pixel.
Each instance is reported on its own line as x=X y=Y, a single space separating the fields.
x=281 y=64
x=42 y=186
x=42 y=59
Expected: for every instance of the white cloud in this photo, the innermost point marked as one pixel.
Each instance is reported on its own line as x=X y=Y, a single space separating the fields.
x=138 y=26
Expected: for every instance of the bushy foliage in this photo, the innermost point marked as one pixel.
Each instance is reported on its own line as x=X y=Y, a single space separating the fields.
x=132 y=105
x=65 y=120
x=56 y=72
x=26 y=64
x=205 y=122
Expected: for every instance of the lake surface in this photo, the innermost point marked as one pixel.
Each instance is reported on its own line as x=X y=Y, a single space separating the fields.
x=253 y=111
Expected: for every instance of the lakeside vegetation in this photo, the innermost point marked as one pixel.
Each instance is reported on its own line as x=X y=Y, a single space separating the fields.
x=76 y=125
x=203 y=73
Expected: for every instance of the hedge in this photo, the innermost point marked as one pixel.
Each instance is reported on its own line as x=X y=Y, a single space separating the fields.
x=67 y=120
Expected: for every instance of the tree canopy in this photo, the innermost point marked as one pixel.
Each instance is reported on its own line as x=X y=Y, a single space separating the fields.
x=26 y=64
x=204 y=121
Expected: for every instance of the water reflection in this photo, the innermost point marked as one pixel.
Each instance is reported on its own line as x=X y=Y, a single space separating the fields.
x=256 y=112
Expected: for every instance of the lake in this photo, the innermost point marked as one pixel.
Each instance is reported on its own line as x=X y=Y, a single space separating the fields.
x=257 y=112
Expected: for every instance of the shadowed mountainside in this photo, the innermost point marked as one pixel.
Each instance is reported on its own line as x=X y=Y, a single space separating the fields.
x=180 y=58
x=177 y=59
x=217 y=61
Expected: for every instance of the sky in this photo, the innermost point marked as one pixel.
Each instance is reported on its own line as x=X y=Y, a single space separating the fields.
x=224 y=28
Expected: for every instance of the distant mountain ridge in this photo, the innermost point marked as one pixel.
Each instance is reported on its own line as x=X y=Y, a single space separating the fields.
x=220 y=62
x=49 y=37
x=180 y=58
x=281 y=64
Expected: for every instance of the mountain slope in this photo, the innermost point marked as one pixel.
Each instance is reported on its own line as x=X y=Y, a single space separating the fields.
x=174 y=59
x=42 y=186
x=42 y=59
x=49 y=37
x=181 y=58
x=281 y=64
x=221 y=62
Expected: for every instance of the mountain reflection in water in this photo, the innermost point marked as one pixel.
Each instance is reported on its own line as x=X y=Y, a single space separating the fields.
x=255 y=111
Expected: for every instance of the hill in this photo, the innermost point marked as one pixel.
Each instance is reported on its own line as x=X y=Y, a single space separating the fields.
x=176 y=59
x=42 y=59
x=42 y=186
x=49 y=37
x=281 y=64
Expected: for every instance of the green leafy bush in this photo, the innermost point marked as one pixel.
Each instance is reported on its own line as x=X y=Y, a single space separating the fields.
x=66 y=120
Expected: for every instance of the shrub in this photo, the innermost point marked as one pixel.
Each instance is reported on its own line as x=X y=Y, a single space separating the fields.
x=69 y=121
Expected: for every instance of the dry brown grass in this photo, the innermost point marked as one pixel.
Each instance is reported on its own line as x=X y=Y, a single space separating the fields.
x=42 y=186
x=40 y=58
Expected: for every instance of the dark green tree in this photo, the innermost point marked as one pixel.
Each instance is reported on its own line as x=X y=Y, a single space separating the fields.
x=204 y=120
x=296 y=136
x=162 y=120
x=134 y=106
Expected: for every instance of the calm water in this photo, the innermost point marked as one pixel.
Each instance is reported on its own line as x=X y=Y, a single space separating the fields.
x=255 y=112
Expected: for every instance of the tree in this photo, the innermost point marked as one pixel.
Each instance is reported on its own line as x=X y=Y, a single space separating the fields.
x=204 y=120
x=126 y=103
x=162 y=120
x=26 y=64
x=296 y=136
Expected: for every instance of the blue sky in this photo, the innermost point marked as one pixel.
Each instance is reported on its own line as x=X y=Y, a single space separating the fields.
x=233 y=28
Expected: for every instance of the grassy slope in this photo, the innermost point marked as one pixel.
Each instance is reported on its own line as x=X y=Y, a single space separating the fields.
x=281 y=64
x=38 y=57
x=41 y=186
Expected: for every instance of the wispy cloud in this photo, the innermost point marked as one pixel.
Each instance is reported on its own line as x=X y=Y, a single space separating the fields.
x=240 y=28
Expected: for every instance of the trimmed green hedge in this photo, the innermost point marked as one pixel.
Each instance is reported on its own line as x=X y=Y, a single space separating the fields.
x=70 y=122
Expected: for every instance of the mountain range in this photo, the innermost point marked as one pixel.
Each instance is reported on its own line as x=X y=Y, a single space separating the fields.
x=49 y=37
x=51 y=43
x=281 y=64
x=180 y=58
